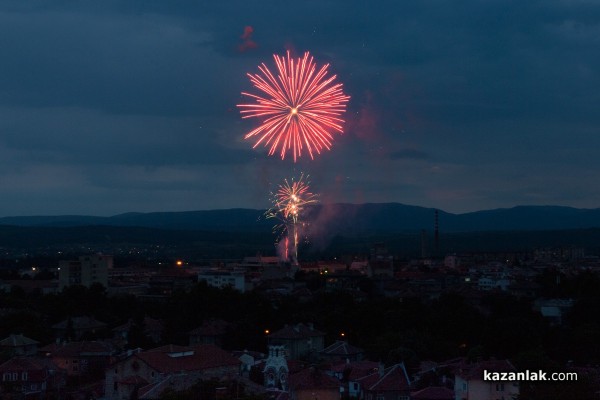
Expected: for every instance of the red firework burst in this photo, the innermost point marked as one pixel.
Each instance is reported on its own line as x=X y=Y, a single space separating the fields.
x=289 y=202
x=300 y=108
x=291 y=199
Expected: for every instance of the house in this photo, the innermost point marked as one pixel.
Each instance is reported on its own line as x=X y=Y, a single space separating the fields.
x=81 y=358
x=30 y=378
x=469 y=383
x=211 y=331
x=301 y=341
x=312 y=383
x=18 y=345
x=385 y=384
x=148 y=373
x=249 y=360
x=152 y=328
x=352 y=370
x=348 y=372
x=76 y=328
x=341 y=350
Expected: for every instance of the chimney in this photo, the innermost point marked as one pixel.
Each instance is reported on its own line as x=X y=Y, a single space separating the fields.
x=381 y=369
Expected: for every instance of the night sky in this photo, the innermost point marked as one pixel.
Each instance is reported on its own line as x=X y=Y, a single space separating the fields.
x=116 y=106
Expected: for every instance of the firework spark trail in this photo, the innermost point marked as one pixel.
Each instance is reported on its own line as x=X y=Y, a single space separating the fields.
x=302 y=107
x=289 y=202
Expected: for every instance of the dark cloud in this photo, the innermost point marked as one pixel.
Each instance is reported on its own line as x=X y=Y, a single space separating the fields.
x=116 y=106
x=410 y=154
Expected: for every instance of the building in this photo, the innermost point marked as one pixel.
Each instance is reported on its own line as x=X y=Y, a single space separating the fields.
x=81 y=358
x=301 y=341
x=30 y=378
x=469 y=383
x=312 y=384
x=341 y=350
x=276 y=370
x=353 y=370
x=250 y=360
x=170 y=366
x=487 y=284
x=77 y=328
x=152 y=328
x=385 y=384
x=85 y=271
x=381 y=267
x=211 y=331
x=31 y=286
x=18 y=345
x=171 y=280
x=553 y=309
x=222 y=279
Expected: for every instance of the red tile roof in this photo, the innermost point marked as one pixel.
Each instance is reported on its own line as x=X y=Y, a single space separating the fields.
x=342 y=349
x=37 y=368
x=295 y=366
x=358 y=369
x=313 y=378
x=173 y=358
x=393 y=378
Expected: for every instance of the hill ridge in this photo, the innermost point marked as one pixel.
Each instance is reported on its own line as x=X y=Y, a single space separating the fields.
x=339 y=217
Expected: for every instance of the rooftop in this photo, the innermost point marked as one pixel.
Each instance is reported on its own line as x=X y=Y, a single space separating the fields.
x=77 y=349
x=173 y=358
x=393 y=378
x=298 y=331
x=17 y=341
x=342 y=349
x=80 y=323
x=313 y=378
x=212 y=327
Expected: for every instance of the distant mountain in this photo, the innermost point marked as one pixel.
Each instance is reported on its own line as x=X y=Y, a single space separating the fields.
x=526 y=218
x=240 y=220
x=346 y=219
